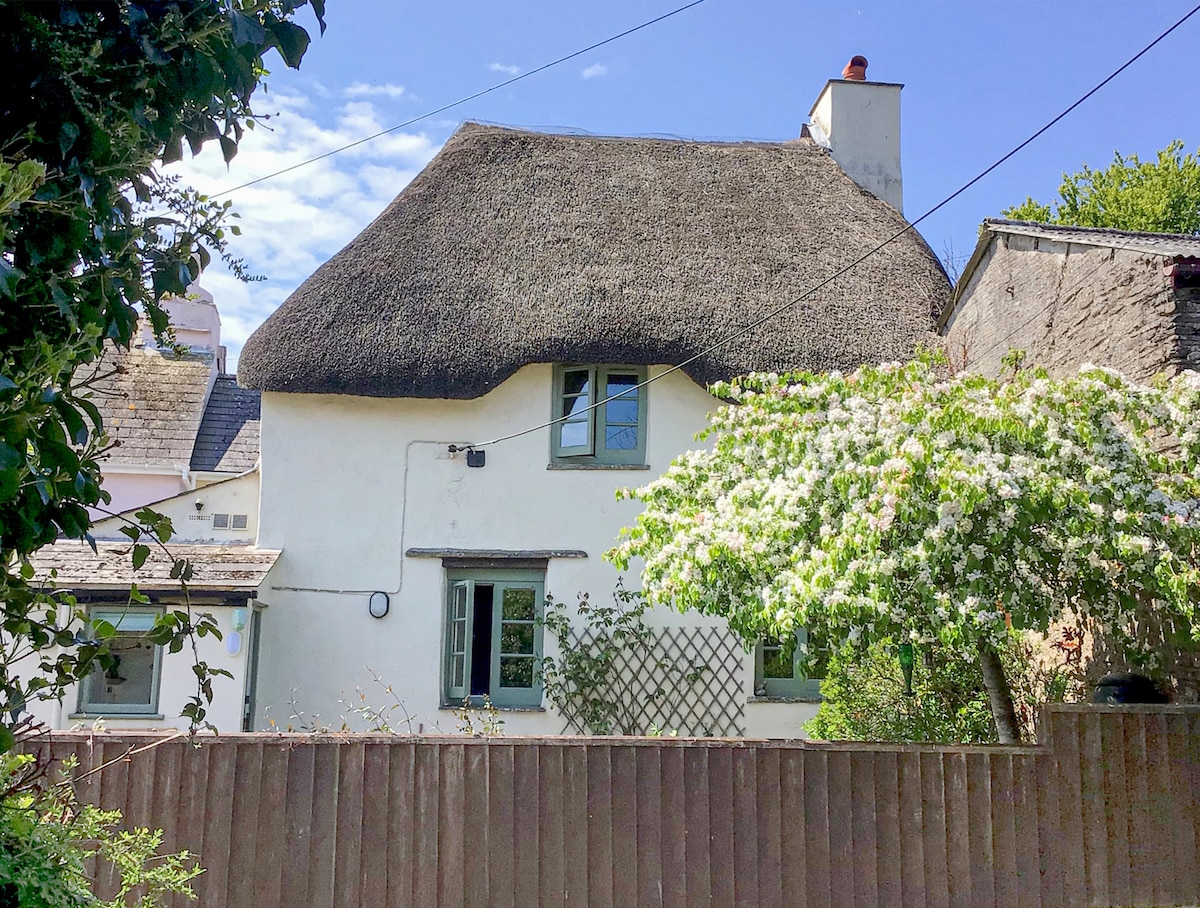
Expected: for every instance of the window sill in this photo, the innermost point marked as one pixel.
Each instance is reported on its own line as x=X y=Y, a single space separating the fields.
x=597 y=466
x=149 y=717
x=763 y=699
x=499 y=709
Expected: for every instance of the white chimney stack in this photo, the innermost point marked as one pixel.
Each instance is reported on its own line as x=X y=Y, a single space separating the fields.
x=859 y=122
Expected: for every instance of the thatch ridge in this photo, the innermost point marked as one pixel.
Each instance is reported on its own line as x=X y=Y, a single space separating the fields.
x=514 y=247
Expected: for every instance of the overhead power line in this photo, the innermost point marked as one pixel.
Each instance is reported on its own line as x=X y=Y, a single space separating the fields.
x=862 y=258
x=463 y=100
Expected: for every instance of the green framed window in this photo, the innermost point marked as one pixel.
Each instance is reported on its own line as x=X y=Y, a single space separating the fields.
x=130 y=685
x=611 y=433
x=778 y=669
x=493 y=637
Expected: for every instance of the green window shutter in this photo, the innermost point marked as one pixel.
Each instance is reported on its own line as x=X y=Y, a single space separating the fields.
x=574 y=393
x=458 y=641
x=516 y=643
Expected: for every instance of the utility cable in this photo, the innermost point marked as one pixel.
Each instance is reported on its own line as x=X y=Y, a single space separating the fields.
x=862 y=258
x=463 y=100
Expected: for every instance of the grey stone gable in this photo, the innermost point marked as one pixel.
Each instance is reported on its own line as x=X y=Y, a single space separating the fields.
x=228 y=438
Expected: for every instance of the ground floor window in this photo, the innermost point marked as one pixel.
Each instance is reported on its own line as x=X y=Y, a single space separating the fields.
x=778 y=669
x=130 y=684
x=493 y=637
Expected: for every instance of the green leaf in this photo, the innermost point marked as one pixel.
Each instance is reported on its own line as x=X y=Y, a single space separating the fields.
x=291 y=41
x=246 y=30
x=140 y=554
x=7 y=739
x=9 y=275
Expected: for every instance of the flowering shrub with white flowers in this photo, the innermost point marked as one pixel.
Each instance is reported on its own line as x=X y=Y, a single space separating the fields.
x=900 y=502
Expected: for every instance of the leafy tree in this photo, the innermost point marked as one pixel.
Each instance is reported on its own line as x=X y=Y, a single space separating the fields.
x=899 y=503
x=1160 y=196
x=96 y=95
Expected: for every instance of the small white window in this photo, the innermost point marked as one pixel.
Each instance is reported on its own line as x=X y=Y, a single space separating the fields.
x=130 y=684
x=220 y=521
x=239 y=521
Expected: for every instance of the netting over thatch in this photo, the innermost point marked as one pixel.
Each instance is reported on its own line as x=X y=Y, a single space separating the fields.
x=514 y=247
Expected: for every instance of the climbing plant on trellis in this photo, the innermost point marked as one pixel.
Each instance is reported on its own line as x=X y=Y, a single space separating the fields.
x=616 y=675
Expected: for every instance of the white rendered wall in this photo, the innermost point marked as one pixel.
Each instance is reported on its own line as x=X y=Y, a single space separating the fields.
x=238 y=495
x=861 y=123
x=350 y=483
x=133 y=488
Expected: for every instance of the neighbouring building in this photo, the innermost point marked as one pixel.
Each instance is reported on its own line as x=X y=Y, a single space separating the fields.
x=1073 y=295
x=178 y=422
x=423 y=506
x=215 y=530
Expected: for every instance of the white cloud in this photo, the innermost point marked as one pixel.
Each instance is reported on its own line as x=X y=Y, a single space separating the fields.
x=507 y=70
x=595 y=71
x=363 y=90
x=294 y=222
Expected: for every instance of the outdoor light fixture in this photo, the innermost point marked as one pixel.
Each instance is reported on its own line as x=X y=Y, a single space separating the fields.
x=378 y=605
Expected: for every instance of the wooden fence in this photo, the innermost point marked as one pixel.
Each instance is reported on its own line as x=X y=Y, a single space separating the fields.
x=1105 y=811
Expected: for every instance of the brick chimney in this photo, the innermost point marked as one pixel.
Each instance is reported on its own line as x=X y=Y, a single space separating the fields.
x=859 y=122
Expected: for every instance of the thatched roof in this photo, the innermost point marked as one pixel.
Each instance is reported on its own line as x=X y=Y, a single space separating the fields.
x=515 y=247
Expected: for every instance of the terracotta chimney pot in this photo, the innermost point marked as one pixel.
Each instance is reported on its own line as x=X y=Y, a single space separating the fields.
x=856 y=69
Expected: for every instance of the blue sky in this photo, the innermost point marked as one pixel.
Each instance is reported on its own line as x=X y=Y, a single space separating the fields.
x=979 y=77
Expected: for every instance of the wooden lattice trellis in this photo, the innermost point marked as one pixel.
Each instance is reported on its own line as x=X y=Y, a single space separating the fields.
x=678 y=680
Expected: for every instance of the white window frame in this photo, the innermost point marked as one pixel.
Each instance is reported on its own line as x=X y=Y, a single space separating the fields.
x=129 y=622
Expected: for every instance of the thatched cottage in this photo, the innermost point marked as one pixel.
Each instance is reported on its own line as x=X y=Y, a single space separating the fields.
x=522 y=278
x=1070 y=295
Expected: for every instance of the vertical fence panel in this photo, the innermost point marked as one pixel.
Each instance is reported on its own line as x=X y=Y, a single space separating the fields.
x=745 y=827
x=720 y=825
x=324 y=823
x=864 y=848
x=625 y=819
x=1183 y=808
x=933 y=832
x=649 y=841
x=402 y=826
x=888 y=861
x=698 y=870
x=576 y=829
x=766 y=809
x=526 y=829
x=271 y=850
x=500 y=818
x=1064 y=787
x=1159 y=813
x=552 y=888
x=911 y=822
x=219 y=797
x=477 y=827
x=453 y=818
x=1026 y=831
x=1137 y=806
x=673 y=816
x=347 y=868
x=375 y=853
x=598 y=779
x=425 y=823
x=1116 y=808
x=793 y=829
x=818 y=855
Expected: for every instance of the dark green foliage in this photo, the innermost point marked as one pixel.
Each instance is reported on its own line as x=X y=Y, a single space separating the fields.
x=1161 y=196
x=863 y=695
x=95 y=95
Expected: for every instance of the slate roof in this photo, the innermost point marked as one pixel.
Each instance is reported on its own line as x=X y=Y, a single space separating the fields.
x=151 y=404
x=216 y=567
x=515 y=247
x=1168 y=244
x=227 y=440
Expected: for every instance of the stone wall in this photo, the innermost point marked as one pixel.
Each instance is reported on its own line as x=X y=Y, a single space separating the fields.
x=1066 y=304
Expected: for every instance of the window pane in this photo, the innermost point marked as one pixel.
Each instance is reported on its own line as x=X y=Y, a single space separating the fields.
x=518 y=605
x=576 y=382
x=777 y=659
x=574 y=406
x=132 y=621
x=625 y=385
x=574 y=434
x=620 y=438
x=621 y=410
x=130 y=681
x=516 y=671
x=516 y=638
x=460 y=602
x=458 y=669
x=458 y=637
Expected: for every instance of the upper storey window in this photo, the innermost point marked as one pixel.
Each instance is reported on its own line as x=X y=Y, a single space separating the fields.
x=612 y=433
